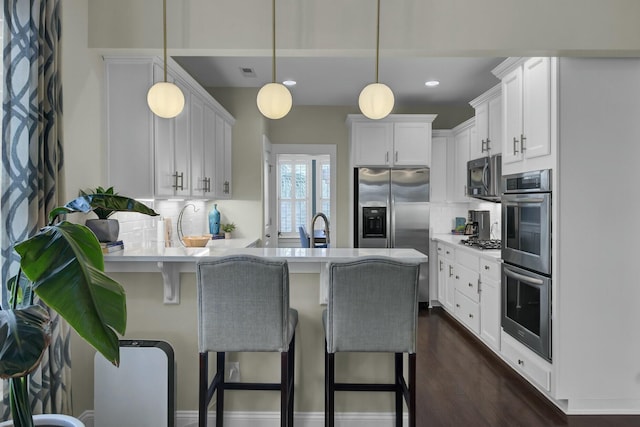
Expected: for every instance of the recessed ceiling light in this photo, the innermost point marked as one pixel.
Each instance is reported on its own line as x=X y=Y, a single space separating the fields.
x=289 y=83
x=432 y=83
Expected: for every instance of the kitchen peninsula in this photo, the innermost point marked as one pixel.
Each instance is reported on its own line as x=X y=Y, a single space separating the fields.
x=150 y=317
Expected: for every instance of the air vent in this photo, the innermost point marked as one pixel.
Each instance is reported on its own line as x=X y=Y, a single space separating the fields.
x=247 y=72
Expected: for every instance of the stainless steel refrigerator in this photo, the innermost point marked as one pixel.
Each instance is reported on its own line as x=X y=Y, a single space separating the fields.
x=392 y=211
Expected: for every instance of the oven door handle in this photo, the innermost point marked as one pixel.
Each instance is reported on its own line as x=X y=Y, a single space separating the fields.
x=523 y=278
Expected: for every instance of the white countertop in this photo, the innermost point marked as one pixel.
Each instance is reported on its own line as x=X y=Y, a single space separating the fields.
x=454 y=239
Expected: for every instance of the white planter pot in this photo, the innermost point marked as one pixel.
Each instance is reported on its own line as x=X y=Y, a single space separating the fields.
x=51 y=420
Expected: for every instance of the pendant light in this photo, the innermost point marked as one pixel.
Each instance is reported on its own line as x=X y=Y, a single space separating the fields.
x=376 y=99
x=274 y=99
x=165 y=99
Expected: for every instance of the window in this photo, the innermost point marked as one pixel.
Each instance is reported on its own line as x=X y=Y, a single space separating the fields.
x=304 y=189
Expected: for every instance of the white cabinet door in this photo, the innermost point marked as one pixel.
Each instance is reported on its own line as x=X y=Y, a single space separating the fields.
x=478 y=145
x=223 y=187
x=209 y=151
x=490 y=308
x=438 y=173
x=129 y=127
x=171 y=143
x=372 y=143
x=526 y=92
x=198 y=181
x=537 y=107
x=462 y=143
x=512 y=116
x=494 y=137
x=411 y=144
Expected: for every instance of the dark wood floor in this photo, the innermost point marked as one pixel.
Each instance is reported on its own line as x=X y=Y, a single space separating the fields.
x=461 y=383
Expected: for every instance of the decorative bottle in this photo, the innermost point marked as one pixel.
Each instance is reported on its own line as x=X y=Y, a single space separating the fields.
x=214 y=220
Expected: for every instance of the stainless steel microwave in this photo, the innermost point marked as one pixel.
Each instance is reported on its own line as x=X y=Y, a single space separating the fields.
x=484 y=178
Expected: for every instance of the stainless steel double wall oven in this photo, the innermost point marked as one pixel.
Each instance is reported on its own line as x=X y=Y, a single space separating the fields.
x=526 y=255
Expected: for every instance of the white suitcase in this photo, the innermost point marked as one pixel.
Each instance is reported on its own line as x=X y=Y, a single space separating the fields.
x=141 y=392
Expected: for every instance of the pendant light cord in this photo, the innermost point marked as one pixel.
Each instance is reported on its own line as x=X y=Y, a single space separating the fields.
x=164 y=35
x=377 y=41
x=273 y=22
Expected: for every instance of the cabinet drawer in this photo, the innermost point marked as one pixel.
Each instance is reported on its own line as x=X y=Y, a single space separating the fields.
x=467 y=282
x=526 y=362
x=445 y=250
x=489 y=269
x=468 y=259
x=467 y=311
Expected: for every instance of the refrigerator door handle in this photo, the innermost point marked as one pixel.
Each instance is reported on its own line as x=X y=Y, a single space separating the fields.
x=392 y=225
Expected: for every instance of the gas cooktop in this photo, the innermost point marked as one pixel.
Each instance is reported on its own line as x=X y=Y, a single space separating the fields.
x=482 y=244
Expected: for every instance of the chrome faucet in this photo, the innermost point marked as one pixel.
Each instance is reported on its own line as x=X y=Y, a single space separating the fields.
x=179 y=225
x=312 y=243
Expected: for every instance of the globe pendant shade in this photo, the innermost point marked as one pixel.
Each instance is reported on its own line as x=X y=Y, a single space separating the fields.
x=274 y=100
x=165 y=100
x=376 y=101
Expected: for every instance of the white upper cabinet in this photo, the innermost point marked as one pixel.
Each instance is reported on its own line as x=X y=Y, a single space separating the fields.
x=149 y=156
x=441 y=172
x=397 y=140
x=527 y=104
x=488 y=139
x=463 y=134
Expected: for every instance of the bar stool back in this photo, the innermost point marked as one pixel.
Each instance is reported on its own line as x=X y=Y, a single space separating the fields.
x=243 y=305
x=372 y=307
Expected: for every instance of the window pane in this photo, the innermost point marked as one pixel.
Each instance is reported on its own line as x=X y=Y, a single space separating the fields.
x=285 y=217
x=301 y=181
x=326 y=180
x=301 y=213
x=326 y=209
x=285 y=181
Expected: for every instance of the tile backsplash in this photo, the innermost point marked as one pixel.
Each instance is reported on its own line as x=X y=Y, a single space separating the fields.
x=137 y=230
x=443 y=215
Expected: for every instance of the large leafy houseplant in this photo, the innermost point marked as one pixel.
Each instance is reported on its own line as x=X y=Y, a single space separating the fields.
x=104 y=203
x=63 y=265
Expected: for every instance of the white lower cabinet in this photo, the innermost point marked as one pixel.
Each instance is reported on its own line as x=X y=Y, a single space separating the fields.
x=526 y=362
x=490 y=307
x=469 y=289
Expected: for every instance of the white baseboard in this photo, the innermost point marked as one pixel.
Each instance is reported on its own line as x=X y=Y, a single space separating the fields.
x=272 y=419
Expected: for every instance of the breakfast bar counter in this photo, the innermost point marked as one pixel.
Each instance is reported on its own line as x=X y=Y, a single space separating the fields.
x=171 y=261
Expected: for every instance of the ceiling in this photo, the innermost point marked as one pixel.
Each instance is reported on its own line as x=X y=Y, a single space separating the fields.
x=339 y=80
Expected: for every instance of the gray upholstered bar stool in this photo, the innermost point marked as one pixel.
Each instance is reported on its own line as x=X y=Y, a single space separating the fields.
x=372 y=307
x=243 y=305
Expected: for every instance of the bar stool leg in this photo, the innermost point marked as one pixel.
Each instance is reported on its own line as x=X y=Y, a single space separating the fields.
x=291 y=379
x=412 y=390
x=330 y=372
x=284 y=388
x=399 y=394
x=202 y=390
x=220 y=391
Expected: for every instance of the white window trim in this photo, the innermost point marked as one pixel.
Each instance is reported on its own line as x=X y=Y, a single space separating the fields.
x=315 y=150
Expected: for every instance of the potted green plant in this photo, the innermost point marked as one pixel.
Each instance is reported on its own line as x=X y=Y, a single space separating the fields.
x=105 y=203
x=227 y=228
x=63 y=265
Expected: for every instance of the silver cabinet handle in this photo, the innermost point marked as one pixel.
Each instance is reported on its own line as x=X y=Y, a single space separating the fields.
x=450 y=271
x=457 y=277
x=386 y=157
x=470 y=315
x=458 y=305
x=488 y=144
x=225 y=187
x=178 y=176
x=483 y=146
x=440 y=265
x=515 y=141
x=486 y=267
x=396 y=157
x=522 y=144
x=471 y=285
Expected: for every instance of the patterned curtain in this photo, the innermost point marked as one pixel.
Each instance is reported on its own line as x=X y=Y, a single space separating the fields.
x=32 y=181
